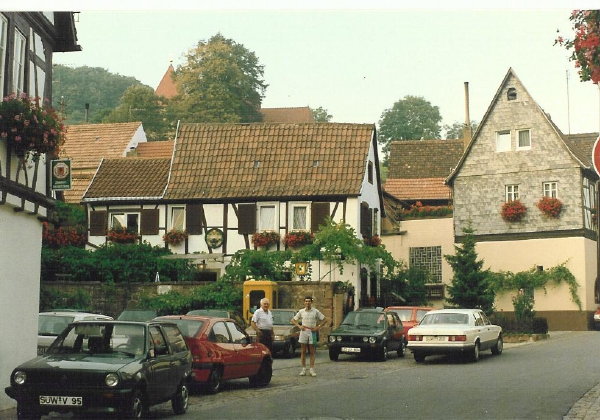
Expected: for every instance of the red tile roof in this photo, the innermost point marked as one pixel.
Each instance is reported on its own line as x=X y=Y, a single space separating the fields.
x=418 y=189
x=167 y=87
x=155 y=149
x=287 y=115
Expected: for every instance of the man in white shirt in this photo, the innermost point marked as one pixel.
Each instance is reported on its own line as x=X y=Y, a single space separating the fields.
x=312 y=320
x=262 y=322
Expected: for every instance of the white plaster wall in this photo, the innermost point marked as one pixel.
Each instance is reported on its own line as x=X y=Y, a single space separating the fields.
x=138 y=137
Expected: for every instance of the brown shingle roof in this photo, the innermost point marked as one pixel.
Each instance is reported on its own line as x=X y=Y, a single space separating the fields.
x=129 y=178
x=581 y=145
x=79 y=183
x=418 y=189
x=287 y=115
x=167 y=87
x=155 y=149
x=423 y=158
x=223 y=161
x=87 y=144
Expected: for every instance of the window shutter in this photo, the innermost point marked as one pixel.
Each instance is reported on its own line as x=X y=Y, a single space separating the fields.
x=366 y=223
x=149 y=223
x=193 y=219
x=318 y=213
x=246 y=219
x=98 y=223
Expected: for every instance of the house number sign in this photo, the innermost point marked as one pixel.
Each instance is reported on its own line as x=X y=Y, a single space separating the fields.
x=214 y=238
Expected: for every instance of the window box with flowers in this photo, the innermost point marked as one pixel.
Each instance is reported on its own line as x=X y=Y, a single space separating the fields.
x=30 y=128
x=513 y=211
x=175 y=237
x=122 y=236
x=265 y=239
x=550 y=206
x=374 y=240
x=298 y=238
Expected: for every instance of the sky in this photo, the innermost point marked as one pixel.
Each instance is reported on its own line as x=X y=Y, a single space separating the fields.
x=356 y=60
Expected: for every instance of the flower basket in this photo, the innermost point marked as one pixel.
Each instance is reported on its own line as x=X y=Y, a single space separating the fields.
x=374 y=240
x=513 y=211
x=298 y=238
x=175 y=236
x=29 y=127
x=265 y=239
x=122 y=236
x=550 y=207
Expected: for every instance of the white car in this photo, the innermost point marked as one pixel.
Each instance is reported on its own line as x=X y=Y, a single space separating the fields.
x=51 y=324
x=447 y=331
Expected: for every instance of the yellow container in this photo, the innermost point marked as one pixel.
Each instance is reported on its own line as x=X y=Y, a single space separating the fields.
x=254 y=291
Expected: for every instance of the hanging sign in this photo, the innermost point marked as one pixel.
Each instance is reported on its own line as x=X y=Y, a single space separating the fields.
x=61 y=174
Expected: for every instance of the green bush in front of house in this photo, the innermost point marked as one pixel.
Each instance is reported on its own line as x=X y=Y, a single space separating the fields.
x=56 y=299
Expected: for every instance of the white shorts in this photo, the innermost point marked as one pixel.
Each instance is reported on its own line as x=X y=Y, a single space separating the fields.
x=307 y=337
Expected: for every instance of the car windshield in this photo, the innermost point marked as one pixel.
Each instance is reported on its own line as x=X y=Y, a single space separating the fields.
x=100 y=339
x=136 y=315
x=445 y=318
x=403 y=314
x=282 y=317
x=188 y=327
x=365 y=319
x=210 y=312
x=53 y=324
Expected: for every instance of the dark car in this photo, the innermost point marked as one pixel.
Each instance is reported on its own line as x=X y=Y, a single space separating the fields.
x=137 y=315
x=219 y=313
x=105 y=367
x=221 y=350
x=285 y=335
x=368 y=332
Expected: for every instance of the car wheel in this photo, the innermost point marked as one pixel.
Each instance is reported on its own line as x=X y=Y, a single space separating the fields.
x=498 y=347
x=401 y=349
x=475 y=352
x=264 y=374
x=214 y=380
x=383 y=353
x=289 y=350
x=24 y=414
x=334 y=355
x=419 y=357
x=181 y=399
x=137 y=407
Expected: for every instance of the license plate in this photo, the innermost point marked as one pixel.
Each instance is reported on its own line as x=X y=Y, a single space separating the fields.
x=350 y=350
x=60 y=400
x=435 y=338
x=41 y=350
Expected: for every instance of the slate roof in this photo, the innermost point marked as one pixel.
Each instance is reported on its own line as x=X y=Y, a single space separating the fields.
x=259 y=161
x=410 y=159
x=166 y=87
x=581 y=145
x=287 y=115
x=87 y=144
x=155 y=149
x=418 y=189
x=129 y=179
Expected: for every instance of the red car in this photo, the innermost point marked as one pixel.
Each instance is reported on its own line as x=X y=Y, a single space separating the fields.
x=409 y=315
x=221 y=350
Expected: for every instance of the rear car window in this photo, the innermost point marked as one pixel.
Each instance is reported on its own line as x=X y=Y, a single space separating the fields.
x=175 y=338
x=53 y=324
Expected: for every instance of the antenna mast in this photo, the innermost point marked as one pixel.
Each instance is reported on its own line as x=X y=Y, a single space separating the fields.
x=568 y=104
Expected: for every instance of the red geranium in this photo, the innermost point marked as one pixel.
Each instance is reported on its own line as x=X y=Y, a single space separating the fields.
x=513 y=211
x=585 y=46
x=62 y=236
x=265 y=239
x=122 y=236
x=297 y=238
x=550 y=206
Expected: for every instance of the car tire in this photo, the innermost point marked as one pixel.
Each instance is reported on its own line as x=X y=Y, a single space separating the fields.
x=419 y=357
x=180 y=400
x=24 y=414
x=137 y=406
x=289 y=350
x=498 y=347
x=401 y=349
x=334 y=355
x=214 y=380
x=264 y=374
x=475 y=353
x=382 y=355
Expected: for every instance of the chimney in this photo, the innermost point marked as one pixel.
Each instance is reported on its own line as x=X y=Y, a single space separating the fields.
x=467 y=134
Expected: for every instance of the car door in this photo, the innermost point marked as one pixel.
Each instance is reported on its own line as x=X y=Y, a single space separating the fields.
x=248 y=356
x=159 y=366
x=491 y=333
x=225 y=350
x=395 y=331
x=180 y=359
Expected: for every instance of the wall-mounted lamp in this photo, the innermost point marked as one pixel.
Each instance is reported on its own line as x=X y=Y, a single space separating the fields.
x=201 y=265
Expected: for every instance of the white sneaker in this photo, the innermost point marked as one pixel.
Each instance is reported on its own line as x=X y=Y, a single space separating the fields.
x=312 y=372
x=303 y=372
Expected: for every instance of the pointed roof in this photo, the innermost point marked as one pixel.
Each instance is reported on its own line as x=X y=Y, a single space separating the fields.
x=292 y=115
x=167 y=87
x=261 y=161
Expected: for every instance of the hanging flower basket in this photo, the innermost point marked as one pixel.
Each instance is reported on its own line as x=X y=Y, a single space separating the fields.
x=551 y=207
x=175 y=236
x=374 y=240
x=298 y=238
x=122 y=236
x=513 y=211
x=265 y=239
x=30 y=128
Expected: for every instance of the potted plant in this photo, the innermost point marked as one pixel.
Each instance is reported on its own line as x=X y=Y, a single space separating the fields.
x=513 y=211
x=298 y=238
x=175 y=236
x=374 y=240
x=265 y=238
x=29 y=127
x=121 y=235
x=550 y=207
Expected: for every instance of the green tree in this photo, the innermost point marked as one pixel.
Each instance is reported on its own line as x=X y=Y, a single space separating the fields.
x=410 y=118
x=410 y=283
x=320 y=114
x=455 y=131
x=140 y=103
x=222 y=81
x=471 y=286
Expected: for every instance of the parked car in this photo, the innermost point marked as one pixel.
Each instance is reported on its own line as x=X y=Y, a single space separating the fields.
x=597 y=319
x=463 y=331
x=409 y=315
x=221 y=350
x=137 y=315
x=52 y=323
x=220 y=313
x=285 y=335
x=104 y=367
x=371 y=332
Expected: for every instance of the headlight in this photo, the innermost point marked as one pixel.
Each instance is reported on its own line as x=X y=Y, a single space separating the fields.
x=331 y=338
x=339 y=338
x=112 y=379
x=20 y=377
x=365 y=339
x=372 y=339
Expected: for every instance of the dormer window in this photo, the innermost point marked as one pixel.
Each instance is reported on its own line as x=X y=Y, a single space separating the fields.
x=511 y=94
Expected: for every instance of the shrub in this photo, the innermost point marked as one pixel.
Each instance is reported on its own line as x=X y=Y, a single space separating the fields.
x=418 y=210
x=51 y=298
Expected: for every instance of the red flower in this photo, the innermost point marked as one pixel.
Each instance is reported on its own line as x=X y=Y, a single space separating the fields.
x=175 y=237
x=513 y=211
x=374 y=240
x=297 y=238
x=550 y=206
x=265 y=238
x=122 y=236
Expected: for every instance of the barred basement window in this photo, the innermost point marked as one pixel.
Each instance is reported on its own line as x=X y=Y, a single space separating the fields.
x=427 y=258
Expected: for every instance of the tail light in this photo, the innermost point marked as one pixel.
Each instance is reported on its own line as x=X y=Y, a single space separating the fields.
x=457 y=338
x=415 y=338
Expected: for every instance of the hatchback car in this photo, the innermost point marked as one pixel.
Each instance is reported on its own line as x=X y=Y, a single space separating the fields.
x=409 y=315
x=52 y=323
x=285 y=335
x=219 y=313
x=105 y=367
x=221 y=350
x=371 y=332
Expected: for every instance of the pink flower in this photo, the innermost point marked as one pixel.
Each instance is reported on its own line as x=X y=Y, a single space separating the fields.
x=17 y=138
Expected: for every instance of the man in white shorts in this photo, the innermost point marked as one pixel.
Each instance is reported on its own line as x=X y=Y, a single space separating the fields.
x=311 y=322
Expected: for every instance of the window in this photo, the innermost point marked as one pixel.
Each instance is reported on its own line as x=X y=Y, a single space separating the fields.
x=589 y=203
x=502 y=141
x=370 y=172
x=511 y=94
x=550 y=189
x=178 y=218
x=267 y=217
x=300 y=216
x=3 y=36
x=129 y=221
x=237 y=335
x=428 y=259
x=511 y=193
x=524 y=139
x=220 y=334
x=18 y=82
x=158 y=341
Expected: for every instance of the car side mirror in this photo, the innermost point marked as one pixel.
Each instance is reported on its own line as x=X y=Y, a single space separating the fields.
x=244 y=341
